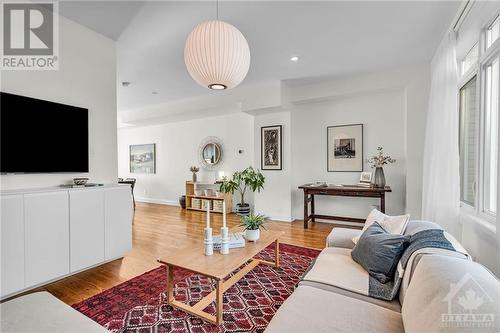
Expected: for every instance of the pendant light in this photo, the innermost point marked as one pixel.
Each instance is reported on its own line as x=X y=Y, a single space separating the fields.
x=217 y=55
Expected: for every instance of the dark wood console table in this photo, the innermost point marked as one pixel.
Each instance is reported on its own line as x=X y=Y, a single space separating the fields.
x=310 y=190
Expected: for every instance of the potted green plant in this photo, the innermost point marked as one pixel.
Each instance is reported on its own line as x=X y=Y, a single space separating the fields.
x=252 y=224
x=241 y=181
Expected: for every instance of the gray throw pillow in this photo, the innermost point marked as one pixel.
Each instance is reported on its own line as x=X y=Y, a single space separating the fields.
x=379 y=252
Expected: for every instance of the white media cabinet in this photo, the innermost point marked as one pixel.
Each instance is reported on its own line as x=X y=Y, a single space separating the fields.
x=50 y=233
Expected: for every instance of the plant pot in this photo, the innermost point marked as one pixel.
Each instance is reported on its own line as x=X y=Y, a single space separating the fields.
x=243 y=210
x=195 y=178
x=379 y=177
x=252 y=235
x=182 y=201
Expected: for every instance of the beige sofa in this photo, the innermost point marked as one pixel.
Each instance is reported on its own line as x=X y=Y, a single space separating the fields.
x=41 y=312
x=444 y=293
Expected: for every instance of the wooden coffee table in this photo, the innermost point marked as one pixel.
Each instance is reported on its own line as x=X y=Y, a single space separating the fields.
x=217 y=267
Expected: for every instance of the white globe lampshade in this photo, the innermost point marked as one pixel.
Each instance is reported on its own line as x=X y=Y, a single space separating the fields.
x=217 y=55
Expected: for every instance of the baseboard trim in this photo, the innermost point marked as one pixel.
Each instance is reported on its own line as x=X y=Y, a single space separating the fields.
x=281 y=219
x=158 y=201
x=176 y=203
x=339 y=223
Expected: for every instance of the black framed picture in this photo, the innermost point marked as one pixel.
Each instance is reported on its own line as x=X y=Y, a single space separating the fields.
x=143 y=158
x=345 y=148
x=271 y=150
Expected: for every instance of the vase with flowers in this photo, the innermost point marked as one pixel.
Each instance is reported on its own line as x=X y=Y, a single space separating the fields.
x=194 y=169
x=377 y=162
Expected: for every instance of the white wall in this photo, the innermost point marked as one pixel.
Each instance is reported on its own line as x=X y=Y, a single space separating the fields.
x=414 y=82
x=177 y=146
x=383 y=117
x=481 y=241
x=86 y=78
x=391 y=104
x=275 y=201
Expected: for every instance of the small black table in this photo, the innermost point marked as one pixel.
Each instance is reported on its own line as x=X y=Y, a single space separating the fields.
x=310 y=190
x=131 y=182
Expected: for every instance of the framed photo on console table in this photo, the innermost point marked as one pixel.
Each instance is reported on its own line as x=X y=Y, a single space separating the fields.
x=345 y=148
x=271 y=151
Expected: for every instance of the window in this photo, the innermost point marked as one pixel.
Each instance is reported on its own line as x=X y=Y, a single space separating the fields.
x=492 y=74
x=470 y=59
x=479 y=125
x=468 y=142
x=492 y=32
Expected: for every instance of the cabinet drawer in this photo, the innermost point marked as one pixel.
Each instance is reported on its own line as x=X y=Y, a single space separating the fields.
x=118 y=222
x=12 y=237
x=86 y=219
x=46 y=219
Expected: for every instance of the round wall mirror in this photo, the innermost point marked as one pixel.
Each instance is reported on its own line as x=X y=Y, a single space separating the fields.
x=211 y=153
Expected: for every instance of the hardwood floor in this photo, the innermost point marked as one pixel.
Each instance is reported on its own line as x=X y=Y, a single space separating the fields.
x=159 y=230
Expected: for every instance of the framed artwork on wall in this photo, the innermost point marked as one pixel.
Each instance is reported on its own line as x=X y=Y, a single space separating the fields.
x=345 y=148
x=143 y=158
x=271 y=150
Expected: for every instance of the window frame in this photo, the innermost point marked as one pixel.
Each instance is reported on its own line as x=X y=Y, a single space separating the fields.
x=484 y=63
x=472 y=69
x=487 y=27
x=471 y=74
x=486 y=55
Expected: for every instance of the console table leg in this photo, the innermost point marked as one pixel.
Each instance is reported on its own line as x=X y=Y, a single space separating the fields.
x=312 y=208
x=306 y=214
x=382 y=203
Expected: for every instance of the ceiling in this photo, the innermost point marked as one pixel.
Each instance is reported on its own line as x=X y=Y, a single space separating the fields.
x=332 y=39
x=109 y=18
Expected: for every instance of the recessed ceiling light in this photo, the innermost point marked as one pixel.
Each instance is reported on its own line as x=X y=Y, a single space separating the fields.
x=155 y=93
x=294 y=58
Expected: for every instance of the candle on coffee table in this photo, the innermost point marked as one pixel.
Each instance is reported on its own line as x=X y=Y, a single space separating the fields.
x=208 y=216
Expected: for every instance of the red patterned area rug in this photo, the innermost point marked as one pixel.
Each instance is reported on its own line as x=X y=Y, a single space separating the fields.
x=139 y=305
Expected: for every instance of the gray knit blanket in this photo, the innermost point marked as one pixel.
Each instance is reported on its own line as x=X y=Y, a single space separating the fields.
x=426 y=239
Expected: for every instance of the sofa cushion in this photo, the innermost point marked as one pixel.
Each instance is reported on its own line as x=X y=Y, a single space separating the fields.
x=335 y=267
x=310 y=309
x=393 y=305
x=334 y=270
x=392 y=224
x=379 y=252
x=443 y=294
x=415 y=226
x=41 y=312
x=342 y=237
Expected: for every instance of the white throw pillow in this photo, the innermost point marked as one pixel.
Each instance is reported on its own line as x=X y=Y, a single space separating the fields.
x=392 y=224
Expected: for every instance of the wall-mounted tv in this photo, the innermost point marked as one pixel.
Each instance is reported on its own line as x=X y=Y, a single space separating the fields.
x=38 y=136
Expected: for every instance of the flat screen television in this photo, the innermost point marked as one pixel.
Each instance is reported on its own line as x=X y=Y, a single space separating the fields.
x=38 y=136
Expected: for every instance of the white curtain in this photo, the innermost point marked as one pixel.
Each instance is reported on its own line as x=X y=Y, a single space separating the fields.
x=441 y=177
